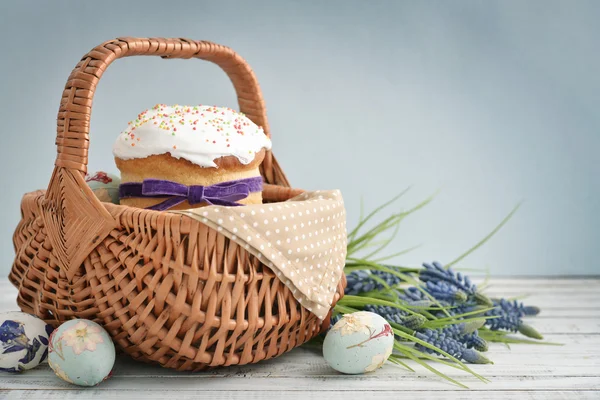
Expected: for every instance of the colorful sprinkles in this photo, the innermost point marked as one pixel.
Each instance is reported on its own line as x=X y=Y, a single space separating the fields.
x=191 y=129
x=172 y=116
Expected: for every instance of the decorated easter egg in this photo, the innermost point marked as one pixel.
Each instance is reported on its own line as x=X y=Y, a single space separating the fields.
x=359 y=342
x=105 y=186
x=23 y=341
x=81 y=352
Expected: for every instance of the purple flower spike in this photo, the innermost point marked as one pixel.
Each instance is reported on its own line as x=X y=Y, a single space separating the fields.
x=397 y=316
x=445 y=342
x=363 y=281
x=436 y=273
x=445 y=292
x=508 y=317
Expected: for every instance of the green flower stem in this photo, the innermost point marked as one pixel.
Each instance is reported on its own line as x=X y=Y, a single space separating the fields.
x=415 y=339
x=360 y=301
x=395 y=359
x=400 y=253
x=362 y=242
x=506 y=338
x=416 y=359
x=363 y=221
x=343 y=309
x=485 y=239
x=355 y=244
x=431 y=357
x=357 y=264
x=440 y=323
x=400 y=327
x=386 y=242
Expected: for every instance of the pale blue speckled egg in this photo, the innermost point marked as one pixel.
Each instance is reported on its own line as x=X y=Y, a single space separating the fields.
x=105 y=186
x=359 y=342
x=23 y=341
x=81 y=352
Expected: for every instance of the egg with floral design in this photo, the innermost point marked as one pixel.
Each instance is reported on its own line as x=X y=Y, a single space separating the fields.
x=359 y=342
x=23 y=341
x=105 y=186
x=81 y=352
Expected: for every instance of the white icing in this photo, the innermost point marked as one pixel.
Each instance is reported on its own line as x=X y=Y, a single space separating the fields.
x=199 y=134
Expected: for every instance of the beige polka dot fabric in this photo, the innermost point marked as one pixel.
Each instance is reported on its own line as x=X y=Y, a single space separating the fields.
x=303 y=240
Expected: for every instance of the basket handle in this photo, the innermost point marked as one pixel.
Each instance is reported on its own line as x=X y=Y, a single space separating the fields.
x=76 y=103
x=75 y=219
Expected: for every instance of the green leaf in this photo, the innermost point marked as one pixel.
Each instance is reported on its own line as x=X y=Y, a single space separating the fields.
x=357 y=243
x=394 y=359
x=430 y=368
x=415 y=339
x=400 y=253
x=439 y=360
x=363 y=221
x=349 y=300
x=506 y=337
x=485 y=239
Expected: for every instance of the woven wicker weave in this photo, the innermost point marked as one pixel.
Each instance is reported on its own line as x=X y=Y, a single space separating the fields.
x=167 y=288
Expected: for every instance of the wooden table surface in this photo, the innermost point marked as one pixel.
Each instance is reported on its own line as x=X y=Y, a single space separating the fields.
x=570 y=315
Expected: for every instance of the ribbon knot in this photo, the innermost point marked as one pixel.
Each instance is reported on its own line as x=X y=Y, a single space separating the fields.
x=195 y=194
x=223 y=194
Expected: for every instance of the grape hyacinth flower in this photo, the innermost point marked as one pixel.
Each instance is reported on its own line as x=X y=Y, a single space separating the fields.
x=530 y=311
x=437 y=273
x=363 y=281
x=459 y=309
x=359 y=282
x=474 y=341
x=445 y=292
x=398 y=316
x=508 y=318
x=450 y=345
x=389 y=278
x=466 y=333
x=414 y=297
x=385 y=310
x=334 y=319
x=412 y=294
x=516 y=307
x=462 y=308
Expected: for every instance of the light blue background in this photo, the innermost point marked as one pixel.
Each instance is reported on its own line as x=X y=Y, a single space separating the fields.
x=492 y=102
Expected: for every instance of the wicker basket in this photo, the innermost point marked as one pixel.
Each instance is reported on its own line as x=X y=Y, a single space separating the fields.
x=167 y=288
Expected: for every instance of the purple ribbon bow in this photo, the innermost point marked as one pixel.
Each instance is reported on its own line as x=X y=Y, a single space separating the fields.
x=222 y=194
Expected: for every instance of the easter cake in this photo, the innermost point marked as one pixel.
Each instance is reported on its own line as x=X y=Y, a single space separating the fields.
x=181 y=157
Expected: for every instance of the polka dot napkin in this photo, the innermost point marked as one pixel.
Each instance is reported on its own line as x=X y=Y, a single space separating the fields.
x=303 y=240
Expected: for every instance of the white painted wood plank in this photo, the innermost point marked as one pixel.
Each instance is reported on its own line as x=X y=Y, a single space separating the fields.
x=521 y=294
x=504 y=368
x=258 y=394
x=541 y=371
x=567 y=312
x=541 y=281
x=580 y=356
x=558 y=325
x=372 y=382
x=583 y=350
x=551 y=300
